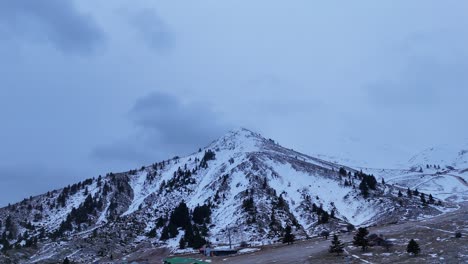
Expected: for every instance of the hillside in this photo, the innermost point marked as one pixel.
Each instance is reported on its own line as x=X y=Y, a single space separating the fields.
x=242 y=184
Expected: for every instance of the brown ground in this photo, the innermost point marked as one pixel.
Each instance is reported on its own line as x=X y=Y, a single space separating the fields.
x=435 y=236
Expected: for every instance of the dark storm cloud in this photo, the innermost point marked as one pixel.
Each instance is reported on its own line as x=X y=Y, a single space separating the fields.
x=52 y=21
x=164 y=124
x=309 y=75
x=153 y=30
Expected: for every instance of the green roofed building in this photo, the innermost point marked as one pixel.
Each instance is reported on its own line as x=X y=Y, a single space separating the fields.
x=177 y=260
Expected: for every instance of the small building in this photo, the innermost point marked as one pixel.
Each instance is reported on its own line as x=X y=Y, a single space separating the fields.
x=178 y=260
x=223 y=252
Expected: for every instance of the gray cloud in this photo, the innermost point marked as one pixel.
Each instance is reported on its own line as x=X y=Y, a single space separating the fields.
x=52 y=21
x=153 y=30
x=384 y=74
x=164 y=126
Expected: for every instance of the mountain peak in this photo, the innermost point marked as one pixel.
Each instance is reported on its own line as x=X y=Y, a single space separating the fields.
x=240 y=139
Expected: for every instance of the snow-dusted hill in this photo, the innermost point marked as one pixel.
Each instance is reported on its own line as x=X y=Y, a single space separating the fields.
x=441 y=171
x=443 y=156
x=252 y=186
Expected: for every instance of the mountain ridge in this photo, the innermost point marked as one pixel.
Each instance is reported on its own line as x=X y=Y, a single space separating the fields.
x=245 y=182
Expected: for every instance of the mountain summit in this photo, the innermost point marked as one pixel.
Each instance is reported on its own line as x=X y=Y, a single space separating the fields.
x=242 y=184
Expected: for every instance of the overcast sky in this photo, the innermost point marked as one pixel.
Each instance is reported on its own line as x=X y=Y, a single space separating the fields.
x=92 y=86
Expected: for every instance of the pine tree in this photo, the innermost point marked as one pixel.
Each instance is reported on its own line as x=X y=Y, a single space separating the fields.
x=343 y=172
x=324 y=218
x=182 y=243
x=288 y=236
x=431 y=199
x=151 y=233
x=423 y=198
x=413 y=247
x=66 y=261
x=399 y=193
x=165 y=233
x=409 y=193
x=360 y=239
x=364 y=189
x=6 y=245
x=336 y=245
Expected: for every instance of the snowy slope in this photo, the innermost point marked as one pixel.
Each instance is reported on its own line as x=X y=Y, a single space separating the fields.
x=443 y=155
x=283 y=185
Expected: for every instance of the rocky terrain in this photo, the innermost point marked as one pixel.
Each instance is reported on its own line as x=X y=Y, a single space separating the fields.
x=242 y=184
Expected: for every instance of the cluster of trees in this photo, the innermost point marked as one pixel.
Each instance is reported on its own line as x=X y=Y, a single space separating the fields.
x=80 y=215
x=71 y=190
x=180 y=178
x=422 y=196
x=288 y=235
x=8 y=234
x=194 y=225
x=368 y=182
x=209 y=155
x=249 y=207
x=322 y=215
x=433 y=166
x=11 y=233
x=363 y=240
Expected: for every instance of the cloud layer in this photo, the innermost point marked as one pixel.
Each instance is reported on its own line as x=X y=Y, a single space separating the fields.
x=51 y=21
x=163 y=125
x=96 y=86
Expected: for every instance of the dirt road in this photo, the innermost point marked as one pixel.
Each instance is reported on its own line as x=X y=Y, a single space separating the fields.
x=435 y=236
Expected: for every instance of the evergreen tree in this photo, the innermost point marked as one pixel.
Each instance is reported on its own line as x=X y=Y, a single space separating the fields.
x=151 y=233
x=66 y=261
x=165 y=233
x=413 y=247
x=272 y=217
x=6 y=245
x=197 y=241
x=431 y=199
x=324 y=218
x=343 y=172
x=248 y=204
x=180 y=216
x=172 y=230
x=182 y=243
x=336 y=245
x=409 y=193
x=364 y=189
x=360 y=239
x=371 y=181
x=288 y=236
x=423 y=198
x=399 y=193
x=201 y=214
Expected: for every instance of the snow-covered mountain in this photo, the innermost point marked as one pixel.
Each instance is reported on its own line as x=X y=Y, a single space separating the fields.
x=443 y=156
x=440 y=170
x=242 y=183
